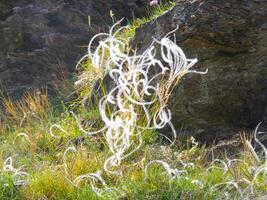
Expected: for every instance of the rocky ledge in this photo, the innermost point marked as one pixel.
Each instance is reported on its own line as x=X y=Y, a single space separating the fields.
x=229 y=38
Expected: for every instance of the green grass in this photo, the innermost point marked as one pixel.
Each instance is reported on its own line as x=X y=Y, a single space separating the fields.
x=44 y=163
x=152 y=13
x=8 y=189
x=43 y=160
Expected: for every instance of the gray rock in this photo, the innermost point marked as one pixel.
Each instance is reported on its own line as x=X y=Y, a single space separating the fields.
x=39 y=38
x=230 y=39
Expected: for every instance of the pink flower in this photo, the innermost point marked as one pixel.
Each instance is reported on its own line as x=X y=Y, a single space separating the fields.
x=153 y=2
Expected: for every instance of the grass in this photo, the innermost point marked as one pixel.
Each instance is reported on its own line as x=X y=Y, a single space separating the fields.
x=152 y=13
x=43 y=159
x=46 y=143
x=90 y=76
x=8 y=190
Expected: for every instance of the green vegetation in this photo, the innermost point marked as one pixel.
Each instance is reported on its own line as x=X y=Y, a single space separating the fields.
x=44 y=154
x=90 y=75
x=41 y=156
x=153 y=13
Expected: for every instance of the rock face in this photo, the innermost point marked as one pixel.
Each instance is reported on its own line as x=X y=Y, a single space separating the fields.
x=39 y=38
x=230 y=39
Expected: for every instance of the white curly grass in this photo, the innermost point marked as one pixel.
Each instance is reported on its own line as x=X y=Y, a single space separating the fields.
x=142 y=86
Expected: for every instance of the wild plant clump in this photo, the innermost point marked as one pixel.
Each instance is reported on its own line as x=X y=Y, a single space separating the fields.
x=142 y=84
x=138 y=101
